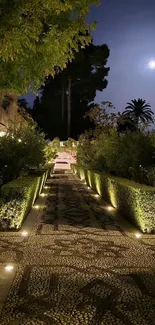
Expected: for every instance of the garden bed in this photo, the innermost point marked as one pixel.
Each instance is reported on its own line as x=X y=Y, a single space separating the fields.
x=134 y=201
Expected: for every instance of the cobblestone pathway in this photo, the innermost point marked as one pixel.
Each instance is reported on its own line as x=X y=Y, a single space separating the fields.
x=79 y=266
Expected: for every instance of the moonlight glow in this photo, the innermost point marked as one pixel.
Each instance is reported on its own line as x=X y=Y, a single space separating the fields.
x=152 y=64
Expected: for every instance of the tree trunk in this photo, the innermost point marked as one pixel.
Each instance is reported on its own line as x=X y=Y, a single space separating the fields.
x=62 y=102
x=69 y=108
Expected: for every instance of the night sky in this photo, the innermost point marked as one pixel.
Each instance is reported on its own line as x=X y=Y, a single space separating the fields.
x=128 y=28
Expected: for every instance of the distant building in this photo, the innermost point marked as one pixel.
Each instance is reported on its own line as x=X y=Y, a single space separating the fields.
x=10 y=114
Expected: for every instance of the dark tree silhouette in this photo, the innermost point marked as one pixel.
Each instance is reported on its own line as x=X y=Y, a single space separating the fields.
x=139 y=111
x=66 y=98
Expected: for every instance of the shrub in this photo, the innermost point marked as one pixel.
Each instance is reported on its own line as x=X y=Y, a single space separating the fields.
x=130 y=155
x=134 y=201
x=17 y=198
x=20 y=150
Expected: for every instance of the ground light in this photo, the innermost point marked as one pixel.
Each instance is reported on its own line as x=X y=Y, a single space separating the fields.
x=24 y=233
x=9 y=268
x=43 y=194
x=109 y=208
x=88 y=188
x=97 y=195
x=138 y=235
x=36 y=206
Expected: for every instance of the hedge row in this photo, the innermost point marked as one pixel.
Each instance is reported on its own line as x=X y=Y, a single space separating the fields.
x=17 y=198
x=134 y=201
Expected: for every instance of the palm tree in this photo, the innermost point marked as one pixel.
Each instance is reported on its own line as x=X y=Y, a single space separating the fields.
x=139 y=111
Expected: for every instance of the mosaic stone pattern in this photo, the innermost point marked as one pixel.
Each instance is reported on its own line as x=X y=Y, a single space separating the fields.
x=79 y=266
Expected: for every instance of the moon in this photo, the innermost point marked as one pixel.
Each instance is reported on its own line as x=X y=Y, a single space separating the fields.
x=152 y=64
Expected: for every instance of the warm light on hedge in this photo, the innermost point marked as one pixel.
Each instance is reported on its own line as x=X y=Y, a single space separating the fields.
x=134 y=201
x=109 y=208
x=97 y=195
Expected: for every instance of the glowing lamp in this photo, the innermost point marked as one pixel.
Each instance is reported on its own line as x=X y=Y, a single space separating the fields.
x=2 y=133
x=138 y=235
x=42 y=194
x=24 y=233
x=36 y=207
x=9 y=268
x=110 y=208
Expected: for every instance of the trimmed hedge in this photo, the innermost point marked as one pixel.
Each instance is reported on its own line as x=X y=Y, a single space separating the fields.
x=50 y=168
x=133 y=200
x=17 y=198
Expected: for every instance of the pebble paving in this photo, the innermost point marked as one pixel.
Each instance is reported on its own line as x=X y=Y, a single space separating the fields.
x=79 y=266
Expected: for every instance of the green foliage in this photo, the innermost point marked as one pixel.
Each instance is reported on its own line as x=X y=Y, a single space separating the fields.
x=56 y=143
x=50 y=153
x=101 y=115
x=134 y=201
x=20 y=150
x=71 y=145
x=17 y=198
x=38 y=38
x=127 y=154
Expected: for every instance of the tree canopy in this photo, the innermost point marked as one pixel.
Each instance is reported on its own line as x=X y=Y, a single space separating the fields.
x=38 y=38
x=82 y=78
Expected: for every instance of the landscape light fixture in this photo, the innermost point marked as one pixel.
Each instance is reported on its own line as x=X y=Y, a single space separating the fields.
x=138 y=235
x=24 y=233
x=36 y=207
x=9 y=268
x=19 y=140
x=109 y=208
x=2 y=133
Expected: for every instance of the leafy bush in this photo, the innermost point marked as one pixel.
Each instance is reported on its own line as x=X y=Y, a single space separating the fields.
x=50 y=153
x=17 y=198
x=56 y=143
x=70 y=144
x=130 y=155
x=86 y=151
x=134 y=201
x=20 y=150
